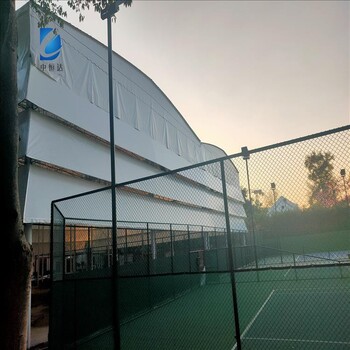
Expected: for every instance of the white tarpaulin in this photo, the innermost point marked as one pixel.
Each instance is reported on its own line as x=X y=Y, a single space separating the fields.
x=96 y=207
x=62 y=73
x=52 y=142
x=78 y=91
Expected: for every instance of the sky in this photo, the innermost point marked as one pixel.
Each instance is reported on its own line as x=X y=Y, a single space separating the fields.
x=242 y=73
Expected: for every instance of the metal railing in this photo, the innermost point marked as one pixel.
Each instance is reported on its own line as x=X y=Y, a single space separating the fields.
x=249 y=251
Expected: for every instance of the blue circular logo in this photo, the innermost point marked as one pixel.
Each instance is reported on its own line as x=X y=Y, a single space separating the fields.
x=50 y=44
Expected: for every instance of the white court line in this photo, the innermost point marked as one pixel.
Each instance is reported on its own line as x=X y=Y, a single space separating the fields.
x=313 y=291
x=254 y=318
x=285 y=275
x=300 y=340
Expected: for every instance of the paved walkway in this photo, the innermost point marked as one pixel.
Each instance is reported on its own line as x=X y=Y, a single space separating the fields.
x=39 y=337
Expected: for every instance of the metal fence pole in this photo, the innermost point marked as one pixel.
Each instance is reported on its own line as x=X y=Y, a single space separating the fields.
x=204 y=244
x=149 y=252
x=189 y=248
x=89 y=255
x=115 y=297
x=126 y=246
x=231 y=264
x=171 y=249
x=246 y=156
x=64 y=251
x=217 y=250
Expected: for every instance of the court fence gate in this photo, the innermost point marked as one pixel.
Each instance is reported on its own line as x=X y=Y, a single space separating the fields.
x=249 y=251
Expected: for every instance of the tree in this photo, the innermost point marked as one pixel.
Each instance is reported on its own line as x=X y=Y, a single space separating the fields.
x=255 y=210
x=17 y=268
x=323 y=186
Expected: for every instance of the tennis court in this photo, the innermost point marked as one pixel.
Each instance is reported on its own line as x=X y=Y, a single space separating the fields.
x=178 y=237
x=305 y=309
x=313 y=317
x=202 y=318
x=274 y=258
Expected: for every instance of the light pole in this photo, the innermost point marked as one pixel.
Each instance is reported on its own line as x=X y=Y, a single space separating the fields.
x=107 y=13
x=246 y=157
x=342 y=174
x=273 y=188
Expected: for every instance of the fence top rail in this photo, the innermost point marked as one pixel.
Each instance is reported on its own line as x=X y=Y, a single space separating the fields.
x=146 y=225
x=301 y=254
x=301 y=139
x=212 y=161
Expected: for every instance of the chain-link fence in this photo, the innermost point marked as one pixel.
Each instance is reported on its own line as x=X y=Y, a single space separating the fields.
x=245 y=252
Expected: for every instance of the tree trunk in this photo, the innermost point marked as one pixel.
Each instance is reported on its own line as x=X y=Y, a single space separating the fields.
x=16 y=256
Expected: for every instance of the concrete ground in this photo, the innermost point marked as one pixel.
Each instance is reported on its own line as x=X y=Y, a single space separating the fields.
x=39 y=338
x=39 y=318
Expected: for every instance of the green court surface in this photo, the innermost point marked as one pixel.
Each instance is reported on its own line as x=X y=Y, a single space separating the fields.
x=203 y=319
x=278 y=309
x=305 y=318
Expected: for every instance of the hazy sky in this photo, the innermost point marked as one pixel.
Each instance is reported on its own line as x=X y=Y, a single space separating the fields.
x=242 y=73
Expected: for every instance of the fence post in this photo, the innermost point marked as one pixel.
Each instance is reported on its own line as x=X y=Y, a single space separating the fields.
x=217 y=250
x=148 y=251
x=75 y=249
x=295 y=269
x=204 y=244
x=126 y=247
x=246 y=156
x=189 y=248
x=341 y=271
x=89 y=253
x=230 y=257
x=171 y=249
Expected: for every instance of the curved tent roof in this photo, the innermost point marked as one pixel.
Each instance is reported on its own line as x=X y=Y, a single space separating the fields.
x=62 y=78
x=79 y=77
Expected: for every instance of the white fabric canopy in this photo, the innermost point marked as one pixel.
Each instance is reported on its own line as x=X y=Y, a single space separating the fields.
x=64 y=73
x=130 y=206
x=78 y=76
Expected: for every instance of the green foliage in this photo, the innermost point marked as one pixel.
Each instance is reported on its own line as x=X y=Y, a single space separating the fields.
x=48 y=11
x=257 y=209
x=53 y=11
x=319 y=166
x=314 y=220
x=323 y=186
